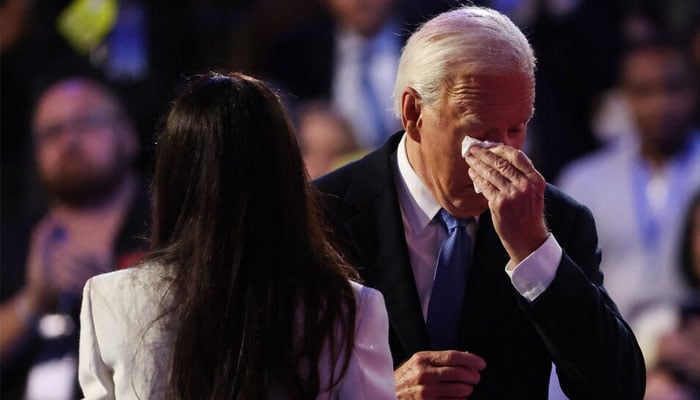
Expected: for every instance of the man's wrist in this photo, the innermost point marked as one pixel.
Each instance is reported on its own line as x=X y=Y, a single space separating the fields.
x=533 y=275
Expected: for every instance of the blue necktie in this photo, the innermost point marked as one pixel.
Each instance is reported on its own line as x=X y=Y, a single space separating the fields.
x=448 y=286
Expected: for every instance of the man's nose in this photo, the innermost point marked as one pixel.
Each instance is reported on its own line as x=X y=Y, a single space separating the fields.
x=70 y=135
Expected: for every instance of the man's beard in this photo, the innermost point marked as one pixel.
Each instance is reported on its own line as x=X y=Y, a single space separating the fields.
x=77 y=183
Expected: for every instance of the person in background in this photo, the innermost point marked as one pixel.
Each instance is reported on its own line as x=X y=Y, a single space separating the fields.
x=84 y=149
x=663 y=384
x=242 y=296
x=639 y=187
x=489 y=274
x=349 y=59
x=326 y=138
x=670 y=336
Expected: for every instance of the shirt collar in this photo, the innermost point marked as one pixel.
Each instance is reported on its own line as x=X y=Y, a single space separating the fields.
x=417 y=202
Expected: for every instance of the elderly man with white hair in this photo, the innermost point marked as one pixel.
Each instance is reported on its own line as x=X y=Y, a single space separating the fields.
x=489 y=274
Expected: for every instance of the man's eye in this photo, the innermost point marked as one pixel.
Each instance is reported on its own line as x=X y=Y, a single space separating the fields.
x=517 y=129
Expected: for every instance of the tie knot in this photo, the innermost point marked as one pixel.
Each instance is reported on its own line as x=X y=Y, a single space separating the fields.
x=450 y=221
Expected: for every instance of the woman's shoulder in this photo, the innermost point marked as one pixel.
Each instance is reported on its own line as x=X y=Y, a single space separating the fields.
x=366 y=298
x=363 y=291
x=143 y=273
x=128 y=289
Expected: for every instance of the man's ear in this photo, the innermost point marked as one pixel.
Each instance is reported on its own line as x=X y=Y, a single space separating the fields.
x=411 y=117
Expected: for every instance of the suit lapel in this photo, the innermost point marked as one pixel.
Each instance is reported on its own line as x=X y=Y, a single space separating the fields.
x=378 y=235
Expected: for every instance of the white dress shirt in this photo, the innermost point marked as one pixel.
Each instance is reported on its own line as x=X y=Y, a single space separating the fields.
x=424 y=236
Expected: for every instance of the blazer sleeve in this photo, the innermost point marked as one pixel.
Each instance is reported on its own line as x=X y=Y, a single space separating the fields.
x=595 y=351
x=94 y=375
x=370 y=373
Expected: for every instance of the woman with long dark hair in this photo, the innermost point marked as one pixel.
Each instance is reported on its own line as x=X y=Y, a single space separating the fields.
x=243 y=296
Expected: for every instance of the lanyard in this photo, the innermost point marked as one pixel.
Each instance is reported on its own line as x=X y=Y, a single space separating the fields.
x=649 y=219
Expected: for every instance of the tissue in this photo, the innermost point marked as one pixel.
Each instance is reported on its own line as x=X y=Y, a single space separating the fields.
x=468 y=142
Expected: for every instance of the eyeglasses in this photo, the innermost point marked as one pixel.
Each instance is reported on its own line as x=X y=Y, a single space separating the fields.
x=81 y=124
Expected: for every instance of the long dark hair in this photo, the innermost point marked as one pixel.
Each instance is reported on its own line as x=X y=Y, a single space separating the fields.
x=259 y=290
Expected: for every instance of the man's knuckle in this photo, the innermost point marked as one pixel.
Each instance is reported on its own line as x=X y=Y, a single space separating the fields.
x=512 y=174
x=421 y=357
x=502 y=164
x=493 y=174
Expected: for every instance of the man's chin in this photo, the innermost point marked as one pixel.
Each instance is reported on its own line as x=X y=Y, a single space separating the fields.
x=74 y=197
x=470 y=204
x=80 y=193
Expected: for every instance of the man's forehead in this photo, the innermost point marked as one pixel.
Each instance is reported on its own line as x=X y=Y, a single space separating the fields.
x=508 y=90
x=73 y=99
x=79 y=92
x=490 y=82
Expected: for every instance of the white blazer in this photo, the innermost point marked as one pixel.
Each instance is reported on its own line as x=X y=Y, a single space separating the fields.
x=123 y=354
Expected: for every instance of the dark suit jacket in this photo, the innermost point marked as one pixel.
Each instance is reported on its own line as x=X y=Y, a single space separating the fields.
x=573 y=323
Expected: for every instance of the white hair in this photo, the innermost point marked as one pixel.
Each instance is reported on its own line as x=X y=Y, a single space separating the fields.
x=465 y=41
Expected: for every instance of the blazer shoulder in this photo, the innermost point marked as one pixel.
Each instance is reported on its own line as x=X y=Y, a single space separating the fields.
x=121 y=338
x=126 y=279
x=368 y=175
x=127 y=296
x=366 y=297
x=336 y=183
x=565 y=215
x=557 y=198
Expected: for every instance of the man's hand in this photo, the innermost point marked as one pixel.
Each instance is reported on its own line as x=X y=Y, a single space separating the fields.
x=40 y=286
x=438 y=374
x=515 y=192
x=57 y=264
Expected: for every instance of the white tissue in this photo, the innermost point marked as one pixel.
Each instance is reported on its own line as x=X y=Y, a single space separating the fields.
x=468 y=142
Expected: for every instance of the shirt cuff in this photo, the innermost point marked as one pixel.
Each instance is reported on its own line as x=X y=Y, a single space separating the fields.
x=534 y=274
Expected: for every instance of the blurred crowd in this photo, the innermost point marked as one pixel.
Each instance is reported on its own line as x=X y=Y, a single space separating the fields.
x=84 y=84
